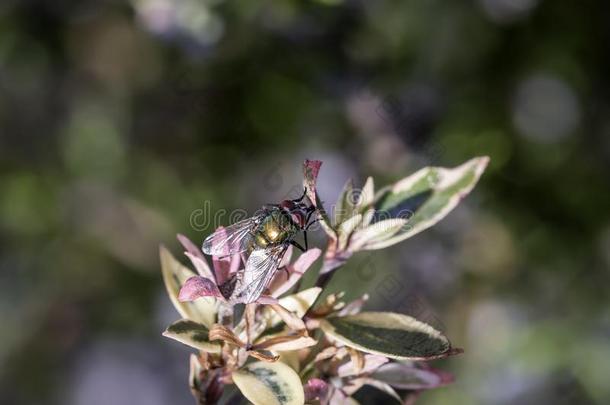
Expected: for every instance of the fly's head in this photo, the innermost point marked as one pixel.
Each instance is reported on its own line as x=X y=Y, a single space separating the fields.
x=299 y=211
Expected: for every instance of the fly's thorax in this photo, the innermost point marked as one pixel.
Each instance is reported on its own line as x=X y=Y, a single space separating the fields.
x=274 y=229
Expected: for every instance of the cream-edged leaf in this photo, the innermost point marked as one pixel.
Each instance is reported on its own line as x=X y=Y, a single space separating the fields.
x=286 y=343
x=367 y=217
x=345 y=230
x=347 y=227
x=291 y=359
x=195 y=369
x=425 y=197
x=175 y=274
x=376 y=233
x=291 y=320
x=298 y=304
x=368 y=194
x=270 y=384
x=192 y=334
x=345 y=207
x=388 y=334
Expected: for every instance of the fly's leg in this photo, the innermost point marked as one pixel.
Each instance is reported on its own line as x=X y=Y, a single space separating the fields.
x=311 y=223
x=310 y=211
x=249 y=315
x=301 y=197
x=298 y=246
x=307 y=227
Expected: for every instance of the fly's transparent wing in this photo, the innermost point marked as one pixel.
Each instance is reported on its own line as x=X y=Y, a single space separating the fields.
x=260 y=269
x=233 y=239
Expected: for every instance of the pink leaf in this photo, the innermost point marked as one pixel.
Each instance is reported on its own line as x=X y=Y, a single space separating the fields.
x=196 y=256
x=200 y=265
x=353 y=307
x=410 y=377
x=197 y=287
x=226 y=265
x=285 y=280
x=287 y=256
x=189 y=246
x=315 y=389
x=371 y=363
x=311 y=168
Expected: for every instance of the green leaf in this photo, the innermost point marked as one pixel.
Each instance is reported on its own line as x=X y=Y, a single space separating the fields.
x=202 y=310
x=192 y=334
x=270 y=384
x=389 y=334
x=425 y=198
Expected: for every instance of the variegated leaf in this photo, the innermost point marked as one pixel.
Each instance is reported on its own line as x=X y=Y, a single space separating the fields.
x=285 y=343
x=425 y=197
x=192 y=334
x=265 y=383
x=367 y=195
x=175 y=275
x=346 y=206
x=346 y=229
x=297 y=303
x=376 y=233
x=195 y=369
x=388 y=334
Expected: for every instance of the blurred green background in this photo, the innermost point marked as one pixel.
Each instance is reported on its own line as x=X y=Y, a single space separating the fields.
x=119 y=120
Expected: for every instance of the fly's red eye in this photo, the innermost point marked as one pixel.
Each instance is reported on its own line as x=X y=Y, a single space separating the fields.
x=287 y=204
x=298 y=217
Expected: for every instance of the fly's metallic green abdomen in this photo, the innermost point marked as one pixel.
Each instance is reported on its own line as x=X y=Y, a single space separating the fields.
x=274 y=229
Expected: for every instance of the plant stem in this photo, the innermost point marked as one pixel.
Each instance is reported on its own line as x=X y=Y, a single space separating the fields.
x=329 y=267
x=333 y=260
